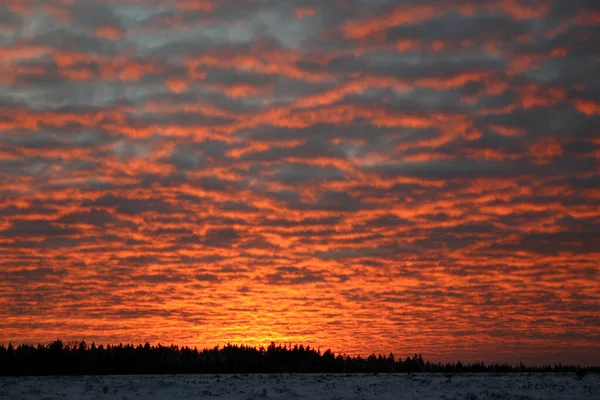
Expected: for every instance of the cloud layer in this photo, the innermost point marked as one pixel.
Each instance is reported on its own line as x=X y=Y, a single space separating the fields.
x=362 y=175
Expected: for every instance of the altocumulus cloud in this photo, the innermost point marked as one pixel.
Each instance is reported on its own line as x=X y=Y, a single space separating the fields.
x=209 y=171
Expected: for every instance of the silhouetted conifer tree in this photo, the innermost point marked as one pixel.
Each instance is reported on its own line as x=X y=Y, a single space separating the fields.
x=77 y=358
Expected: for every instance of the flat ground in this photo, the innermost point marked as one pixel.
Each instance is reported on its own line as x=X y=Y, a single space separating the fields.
x=313 y=386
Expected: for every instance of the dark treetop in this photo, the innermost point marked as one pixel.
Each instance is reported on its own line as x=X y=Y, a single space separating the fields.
x=76 y=358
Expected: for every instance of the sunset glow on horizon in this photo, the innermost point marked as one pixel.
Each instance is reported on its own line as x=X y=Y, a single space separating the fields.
x=366 y=176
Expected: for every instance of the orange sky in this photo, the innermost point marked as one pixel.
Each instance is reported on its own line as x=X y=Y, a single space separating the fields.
x=386 y=176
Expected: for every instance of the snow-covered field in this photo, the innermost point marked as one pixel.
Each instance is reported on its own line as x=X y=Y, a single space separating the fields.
x=310 y=386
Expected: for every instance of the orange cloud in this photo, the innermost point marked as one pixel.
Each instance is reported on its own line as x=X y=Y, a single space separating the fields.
x=305 y=12
x=587 y=107
x=108 y=32
x=202 y=173
x=399 y=16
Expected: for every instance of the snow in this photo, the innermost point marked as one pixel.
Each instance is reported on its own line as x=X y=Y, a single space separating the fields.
x=313 y=386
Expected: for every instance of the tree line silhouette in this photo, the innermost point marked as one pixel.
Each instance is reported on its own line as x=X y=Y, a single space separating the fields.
x=77 y=358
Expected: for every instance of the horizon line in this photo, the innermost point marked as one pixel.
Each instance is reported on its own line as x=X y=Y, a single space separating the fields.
x=291 y=345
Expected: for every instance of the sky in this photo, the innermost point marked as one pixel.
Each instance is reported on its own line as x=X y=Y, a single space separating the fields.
x=361 y=175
